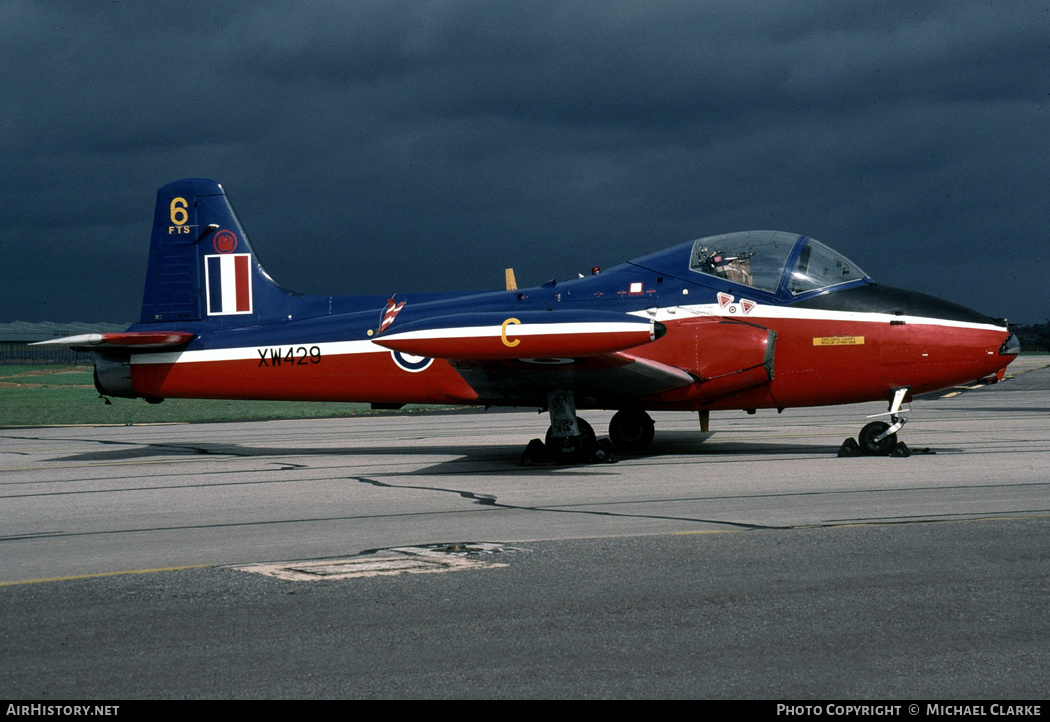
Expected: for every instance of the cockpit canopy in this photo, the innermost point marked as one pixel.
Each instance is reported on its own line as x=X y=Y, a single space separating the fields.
x=773 y=261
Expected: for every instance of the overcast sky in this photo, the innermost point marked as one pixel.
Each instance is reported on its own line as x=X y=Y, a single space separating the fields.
x=382 y=147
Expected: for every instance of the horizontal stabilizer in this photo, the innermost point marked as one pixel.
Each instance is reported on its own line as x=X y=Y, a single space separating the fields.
x=526 y=334
x=127 y=340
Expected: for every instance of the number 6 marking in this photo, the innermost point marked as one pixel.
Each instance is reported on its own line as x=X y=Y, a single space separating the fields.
x=179 y=214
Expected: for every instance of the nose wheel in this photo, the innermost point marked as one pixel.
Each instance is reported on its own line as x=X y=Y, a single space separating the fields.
x=875 y=439
x=879 y=438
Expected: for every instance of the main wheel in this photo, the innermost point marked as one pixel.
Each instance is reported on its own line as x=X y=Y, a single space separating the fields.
x=871 y=447
x=631 y=430
x=572 y=448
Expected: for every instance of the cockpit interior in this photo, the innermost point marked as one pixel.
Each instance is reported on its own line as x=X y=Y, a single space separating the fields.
x=773 y=261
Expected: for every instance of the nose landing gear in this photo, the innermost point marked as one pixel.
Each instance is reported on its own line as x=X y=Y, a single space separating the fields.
x=876 y=439
x=879 y=438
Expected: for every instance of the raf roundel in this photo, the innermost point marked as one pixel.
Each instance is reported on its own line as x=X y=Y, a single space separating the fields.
x=225 y=242
x=408 y=362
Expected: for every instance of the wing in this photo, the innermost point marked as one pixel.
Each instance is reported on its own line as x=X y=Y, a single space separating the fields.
x=595 y=354
x=518 y=359
x=605 y=379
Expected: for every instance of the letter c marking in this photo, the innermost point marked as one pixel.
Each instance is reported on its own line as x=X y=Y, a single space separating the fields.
x=503 y=333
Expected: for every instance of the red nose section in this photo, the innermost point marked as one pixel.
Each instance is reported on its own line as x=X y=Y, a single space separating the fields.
x=939 y=355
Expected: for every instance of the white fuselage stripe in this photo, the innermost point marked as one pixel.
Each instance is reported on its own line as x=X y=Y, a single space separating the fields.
x=332 y=348
x=758 y=314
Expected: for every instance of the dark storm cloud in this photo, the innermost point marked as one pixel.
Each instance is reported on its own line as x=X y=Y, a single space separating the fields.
x=380 y=147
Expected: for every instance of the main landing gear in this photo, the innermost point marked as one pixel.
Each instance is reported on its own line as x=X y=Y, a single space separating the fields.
x=879 y=438
x=631 y=430
x=571 y=440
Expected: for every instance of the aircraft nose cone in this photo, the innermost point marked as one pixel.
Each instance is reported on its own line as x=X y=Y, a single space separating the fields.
x=1011 y=346
x=934 y=343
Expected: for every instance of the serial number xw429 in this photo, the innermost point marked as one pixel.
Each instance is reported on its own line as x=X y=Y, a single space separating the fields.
x=290 y=356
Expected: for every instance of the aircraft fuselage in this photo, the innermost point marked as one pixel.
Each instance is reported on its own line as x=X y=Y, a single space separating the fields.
x=824 y=355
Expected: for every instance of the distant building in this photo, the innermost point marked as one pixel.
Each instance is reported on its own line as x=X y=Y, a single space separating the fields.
x=15 y=338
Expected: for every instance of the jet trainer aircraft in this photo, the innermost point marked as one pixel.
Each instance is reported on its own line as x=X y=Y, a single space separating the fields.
x=749 y=320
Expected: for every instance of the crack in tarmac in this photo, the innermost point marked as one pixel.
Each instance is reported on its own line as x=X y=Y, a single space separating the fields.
x=490 y=500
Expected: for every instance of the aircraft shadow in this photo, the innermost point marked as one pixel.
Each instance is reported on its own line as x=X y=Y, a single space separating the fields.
x=468 y=459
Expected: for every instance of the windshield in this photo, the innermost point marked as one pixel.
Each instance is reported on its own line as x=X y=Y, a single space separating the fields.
x=760 y=258
x=819 y=267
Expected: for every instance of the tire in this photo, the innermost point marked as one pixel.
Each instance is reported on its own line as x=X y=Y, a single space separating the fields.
x=572 y=448
x=631 y=431
x=869 y=446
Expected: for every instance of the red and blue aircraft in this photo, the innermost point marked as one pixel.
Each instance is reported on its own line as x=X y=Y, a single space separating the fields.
x=749 y=320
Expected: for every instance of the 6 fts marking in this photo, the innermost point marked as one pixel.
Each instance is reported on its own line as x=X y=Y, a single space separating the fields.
x=293 y=356
x=179 y=215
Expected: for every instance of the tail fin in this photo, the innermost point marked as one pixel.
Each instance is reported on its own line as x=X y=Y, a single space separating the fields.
x=201 y=265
